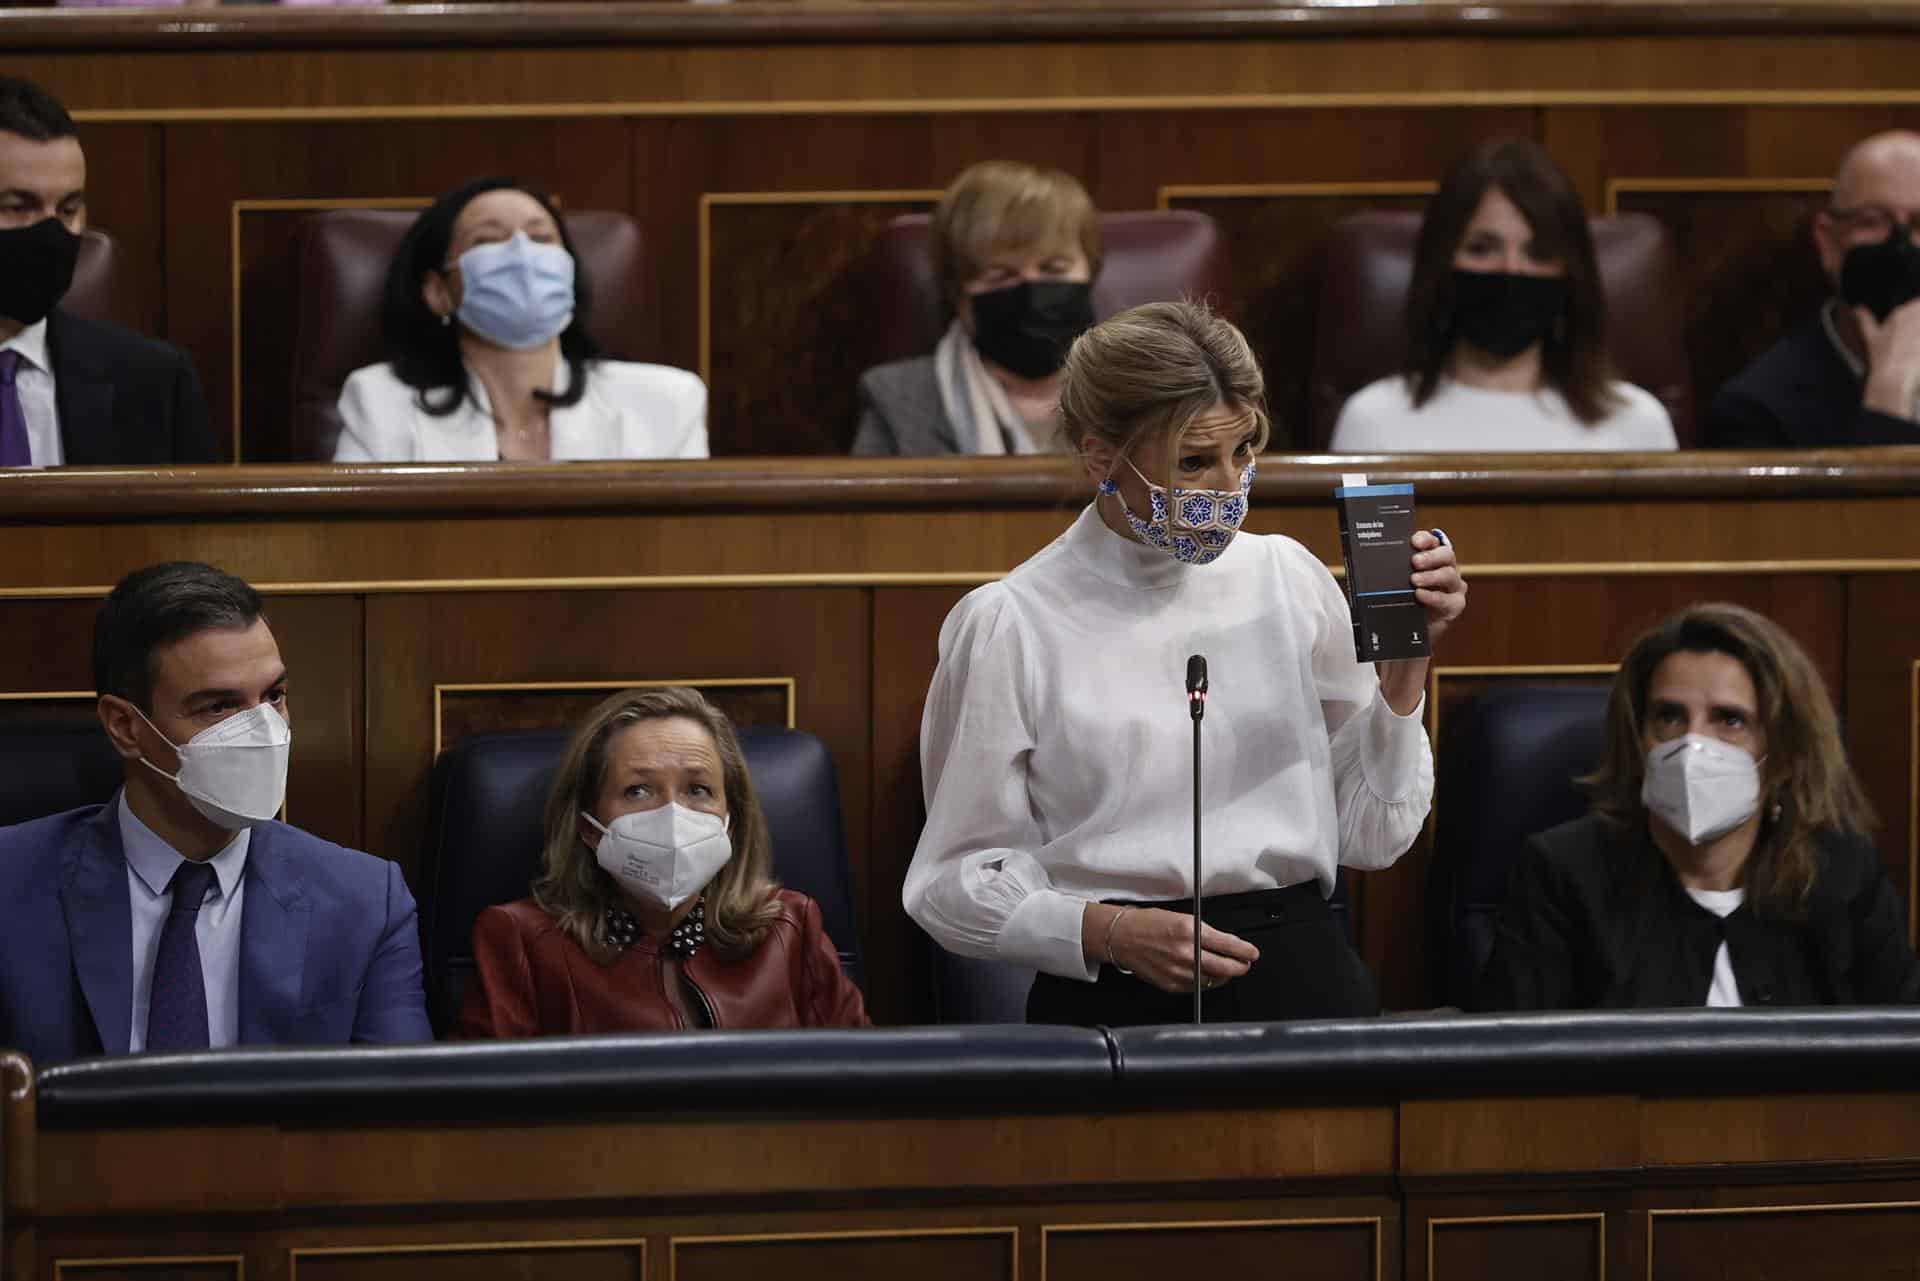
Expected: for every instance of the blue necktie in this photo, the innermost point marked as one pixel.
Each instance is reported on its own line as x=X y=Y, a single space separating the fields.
x=14 y=451
x=177 y=1008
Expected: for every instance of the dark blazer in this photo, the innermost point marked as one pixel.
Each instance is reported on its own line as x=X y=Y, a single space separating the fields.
x=1596 y=919
x=1800 y=395
x=123 y=398
x=901 y=413
x=532 y=979
x=329 y=949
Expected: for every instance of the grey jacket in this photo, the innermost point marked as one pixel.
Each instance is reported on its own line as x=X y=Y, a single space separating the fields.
x=900 y=411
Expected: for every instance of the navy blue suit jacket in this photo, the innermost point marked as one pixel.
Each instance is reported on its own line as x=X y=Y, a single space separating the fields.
x=329 y=948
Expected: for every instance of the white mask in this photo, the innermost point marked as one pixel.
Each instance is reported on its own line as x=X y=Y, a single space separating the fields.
x=664 y=855
x=234 y=772
x=1701 y=787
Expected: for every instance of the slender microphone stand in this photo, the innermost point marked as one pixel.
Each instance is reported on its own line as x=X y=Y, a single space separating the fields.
x=1197 y=705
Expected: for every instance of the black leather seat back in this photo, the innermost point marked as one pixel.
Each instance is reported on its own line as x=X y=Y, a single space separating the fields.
x=1508 y=762
x=51 y=767
x=485 y=838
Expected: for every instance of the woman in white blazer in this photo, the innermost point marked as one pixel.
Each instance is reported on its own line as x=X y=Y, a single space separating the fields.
x=486 y=323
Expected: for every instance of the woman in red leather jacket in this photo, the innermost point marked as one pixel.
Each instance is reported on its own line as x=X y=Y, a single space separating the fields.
x=657 y=908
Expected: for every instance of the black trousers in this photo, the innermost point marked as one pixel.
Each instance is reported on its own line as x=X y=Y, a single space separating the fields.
x=1307 y=970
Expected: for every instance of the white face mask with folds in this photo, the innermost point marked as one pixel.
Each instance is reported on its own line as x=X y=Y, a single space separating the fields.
x=234 y=771
x=665 y=855
x=1701 y=787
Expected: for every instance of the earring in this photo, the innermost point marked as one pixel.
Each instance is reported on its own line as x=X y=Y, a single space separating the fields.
x=446 y=318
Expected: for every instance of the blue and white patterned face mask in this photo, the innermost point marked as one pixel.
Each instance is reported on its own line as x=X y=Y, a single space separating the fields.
x=1209 y=518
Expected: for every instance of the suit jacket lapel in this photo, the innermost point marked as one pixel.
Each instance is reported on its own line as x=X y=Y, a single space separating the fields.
x=273 y=941
x=93 y=896
x=83 y=394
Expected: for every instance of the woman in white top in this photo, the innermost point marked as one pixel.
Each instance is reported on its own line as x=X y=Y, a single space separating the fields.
x=1506 y=326
x=1055 y=744
x=486 y=324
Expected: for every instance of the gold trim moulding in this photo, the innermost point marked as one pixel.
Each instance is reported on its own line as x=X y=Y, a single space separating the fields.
x=442 y=688
x=1597 y=1217
x=1012 y=1233
x=963 y=578
x=1359 y=100
x=1180 y=1225
x=1913 y=802
x=61 y=1267
x=1724 y=1211
x=458 y=1247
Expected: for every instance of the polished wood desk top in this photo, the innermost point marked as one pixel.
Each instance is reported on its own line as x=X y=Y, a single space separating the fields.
x=815 y=484
x=858 y=21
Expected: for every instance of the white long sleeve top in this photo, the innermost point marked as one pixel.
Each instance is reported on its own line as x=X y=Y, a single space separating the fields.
x=1056 y=747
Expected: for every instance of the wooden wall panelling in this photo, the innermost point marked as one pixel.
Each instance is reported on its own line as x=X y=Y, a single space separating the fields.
x=951 y=1254
x=583 y=160
x=1567 y=1247
x=47 y=645
x=321 y=641
x=819 y=638
x=906 y=634
x=126 y=198
x=586 y=1260
x=1808 y=1242
x=158 y=1267
x=1881 y=715
x=1334 y=1249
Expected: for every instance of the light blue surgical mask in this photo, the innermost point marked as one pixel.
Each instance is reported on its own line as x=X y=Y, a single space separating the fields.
x=1209 y=518
x=516 y=293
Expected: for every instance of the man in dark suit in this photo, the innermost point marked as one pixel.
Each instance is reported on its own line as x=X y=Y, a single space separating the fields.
x=180 y=915
x=1845 y=377
x=73 y=390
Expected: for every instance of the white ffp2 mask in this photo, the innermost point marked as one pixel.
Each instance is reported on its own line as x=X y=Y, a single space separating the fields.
x=664 y=855
x=234 y=771
x=1701 y=787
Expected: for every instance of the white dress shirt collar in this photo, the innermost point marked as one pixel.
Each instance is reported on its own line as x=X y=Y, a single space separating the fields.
x=31 y=343
x=155 y=861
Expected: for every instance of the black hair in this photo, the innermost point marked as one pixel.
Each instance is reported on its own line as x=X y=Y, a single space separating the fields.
x=157 y=606
x=31 y=112
x=426 y=351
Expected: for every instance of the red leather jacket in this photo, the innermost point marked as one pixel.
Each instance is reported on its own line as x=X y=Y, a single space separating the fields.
x=531 y=979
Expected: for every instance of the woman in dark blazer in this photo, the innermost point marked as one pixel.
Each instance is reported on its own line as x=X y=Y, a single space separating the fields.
x=1725 y=862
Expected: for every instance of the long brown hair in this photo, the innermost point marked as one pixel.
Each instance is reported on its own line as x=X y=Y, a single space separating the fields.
x=576 y=891
x=1806 y=787
x=1573 y=357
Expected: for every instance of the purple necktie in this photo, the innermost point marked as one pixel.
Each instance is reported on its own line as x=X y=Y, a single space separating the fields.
x=13 y=419
x=177 y=1008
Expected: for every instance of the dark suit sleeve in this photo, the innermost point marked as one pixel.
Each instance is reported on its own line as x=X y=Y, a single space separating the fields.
x=393 y=1004
x=192 y=431
x=1885 y=968
x=874 y=437
x=1871 y=427
x=828 y=996
x=1532 y=963
x=1738 y=421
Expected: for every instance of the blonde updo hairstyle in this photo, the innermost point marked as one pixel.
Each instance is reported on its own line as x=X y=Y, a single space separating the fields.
x=1142 y=378
x=1001 y=206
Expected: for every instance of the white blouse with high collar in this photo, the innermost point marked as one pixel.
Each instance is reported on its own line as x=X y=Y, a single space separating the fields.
x=1056 y=745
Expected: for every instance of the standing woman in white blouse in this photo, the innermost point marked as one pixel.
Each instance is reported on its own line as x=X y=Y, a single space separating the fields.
x=489 y=353
x=1056 y=742
x=1506 y=326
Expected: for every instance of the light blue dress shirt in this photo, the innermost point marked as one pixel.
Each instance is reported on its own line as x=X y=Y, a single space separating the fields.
x=150 y=866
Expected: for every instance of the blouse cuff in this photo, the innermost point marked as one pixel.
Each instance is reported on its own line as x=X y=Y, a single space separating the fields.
x=1394 y=747
x=1044 y=932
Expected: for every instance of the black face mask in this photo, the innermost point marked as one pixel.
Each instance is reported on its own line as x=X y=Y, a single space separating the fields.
x=1503 y=313
x=1028 y=327
x=1883 y=276
x=36 y=266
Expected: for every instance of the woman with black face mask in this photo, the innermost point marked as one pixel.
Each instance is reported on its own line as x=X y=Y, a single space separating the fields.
x=1506 y=326
x=1016 y=250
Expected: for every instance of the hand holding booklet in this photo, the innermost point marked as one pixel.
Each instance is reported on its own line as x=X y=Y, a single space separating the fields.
x=1376 y=533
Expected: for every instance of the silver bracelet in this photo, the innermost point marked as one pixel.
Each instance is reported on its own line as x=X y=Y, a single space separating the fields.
x=1111 y=922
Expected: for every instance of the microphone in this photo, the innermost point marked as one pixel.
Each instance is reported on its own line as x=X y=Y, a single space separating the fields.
x=1197 y=704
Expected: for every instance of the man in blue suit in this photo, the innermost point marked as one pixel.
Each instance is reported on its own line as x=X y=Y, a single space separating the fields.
x=180 y=915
